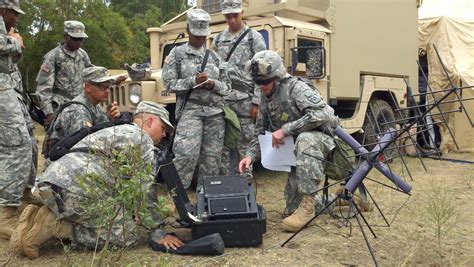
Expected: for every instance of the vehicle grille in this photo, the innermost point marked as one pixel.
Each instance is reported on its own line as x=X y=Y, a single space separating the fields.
x=117 y=94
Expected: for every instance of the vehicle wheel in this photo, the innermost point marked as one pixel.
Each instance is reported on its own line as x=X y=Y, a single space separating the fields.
x=379 y=118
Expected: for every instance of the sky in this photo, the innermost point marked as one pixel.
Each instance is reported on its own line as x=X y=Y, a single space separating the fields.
x=450 y=8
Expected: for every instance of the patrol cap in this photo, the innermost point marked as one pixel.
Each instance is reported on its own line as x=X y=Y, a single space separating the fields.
x=266 y=65
x=75 y=29
x=97 y=75
x=11 y=4
x=155 y=109
x=198 y=22
x=231 y=6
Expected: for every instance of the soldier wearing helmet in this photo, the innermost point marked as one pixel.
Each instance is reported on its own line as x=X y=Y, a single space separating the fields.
x=291 y=107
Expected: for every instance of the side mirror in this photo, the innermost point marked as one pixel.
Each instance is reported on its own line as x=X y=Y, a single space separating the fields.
x=314 y=58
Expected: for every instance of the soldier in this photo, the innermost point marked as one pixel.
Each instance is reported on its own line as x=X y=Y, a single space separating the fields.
x=61 y=193
x=15 y=142
x=290 y=107
x=60 y=77
x=245 y=96
x=193 y=73
x=84 y=110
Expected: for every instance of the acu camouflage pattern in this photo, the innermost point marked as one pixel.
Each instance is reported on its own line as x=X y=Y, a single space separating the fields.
x=60 y=78
x=76 y=116
x=24 y=103
x=61 y=192
x=15 y=142
x=304 y=118
x=245 y=92
x=200 y=131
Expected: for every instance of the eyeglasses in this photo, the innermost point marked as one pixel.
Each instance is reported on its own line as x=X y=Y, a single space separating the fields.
x=263 y=82
x=101 y=87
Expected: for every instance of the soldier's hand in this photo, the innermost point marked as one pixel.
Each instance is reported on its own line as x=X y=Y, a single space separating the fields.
x=113 y=111
x=120 y=79
x=277 y=138
x=49 y=118
x=170 y=241
x=201 y=77
x=17 y=36
x=254 y=112
x=244 y=164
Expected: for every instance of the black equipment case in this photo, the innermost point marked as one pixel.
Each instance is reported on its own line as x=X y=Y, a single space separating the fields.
x=225 y=205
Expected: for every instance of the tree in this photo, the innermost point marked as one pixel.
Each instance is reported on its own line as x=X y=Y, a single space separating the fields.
x=42 y=28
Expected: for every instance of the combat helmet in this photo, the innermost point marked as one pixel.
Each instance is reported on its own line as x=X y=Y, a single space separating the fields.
x=266 y=65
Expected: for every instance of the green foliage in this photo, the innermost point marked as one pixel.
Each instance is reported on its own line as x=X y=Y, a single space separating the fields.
x=441 y=211
x=117 y=32
x=120 y=196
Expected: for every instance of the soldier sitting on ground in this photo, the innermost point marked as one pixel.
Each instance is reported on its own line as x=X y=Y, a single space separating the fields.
x=84 y=110
x=61 y=192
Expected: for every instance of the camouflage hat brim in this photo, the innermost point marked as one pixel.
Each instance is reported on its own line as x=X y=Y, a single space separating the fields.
x=199 y=32
x=18 y=10
x=231 y=10
x=78 y=35
x=103 y=80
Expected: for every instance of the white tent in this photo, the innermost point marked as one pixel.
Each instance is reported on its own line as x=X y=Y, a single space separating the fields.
x=454 y=40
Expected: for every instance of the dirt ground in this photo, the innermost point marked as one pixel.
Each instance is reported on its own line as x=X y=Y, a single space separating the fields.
x=410 y=239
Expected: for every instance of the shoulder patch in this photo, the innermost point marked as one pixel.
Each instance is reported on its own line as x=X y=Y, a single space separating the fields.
x=45 y=67
x=168 y=60
x=314 y=99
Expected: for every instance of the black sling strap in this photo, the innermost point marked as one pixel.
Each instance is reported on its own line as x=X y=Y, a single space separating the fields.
x=236 y=44
x=203 y=67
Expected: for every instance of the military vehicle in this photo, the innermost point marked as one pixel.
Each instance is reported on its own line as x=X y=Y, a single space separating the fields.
x=366 y=52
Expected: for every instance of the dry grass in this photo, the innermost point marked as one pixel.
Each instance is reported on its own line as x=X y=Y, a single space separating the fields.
x=408 y=241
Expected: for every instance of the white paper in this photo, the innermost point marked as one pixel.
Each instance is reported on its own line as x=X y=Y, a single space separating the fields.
x=277 y=159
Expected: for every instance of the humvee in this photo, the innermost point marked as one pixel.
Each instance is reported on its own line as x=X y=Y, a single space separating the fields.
x=366 y=52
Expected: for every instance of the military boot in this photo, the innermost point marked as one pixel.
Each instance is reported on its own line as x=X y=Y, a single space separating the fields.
x=8 y=221
x=24 y=224
x=363 y=205
x=301 y=216
x=45 y=227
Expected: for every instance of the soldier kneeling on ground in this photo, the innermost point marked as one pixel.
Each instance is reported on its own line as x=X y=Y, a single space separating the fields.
x=61 y=192
x=292 y=107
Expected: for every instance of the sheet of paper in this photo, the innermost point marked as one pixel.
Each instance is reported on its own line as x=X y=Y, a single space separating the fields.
x=277 y=159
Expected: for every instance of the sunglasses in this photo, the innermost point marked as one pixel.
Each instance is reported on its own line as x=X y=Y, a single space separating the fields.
x=76 y=39
x=263 y=82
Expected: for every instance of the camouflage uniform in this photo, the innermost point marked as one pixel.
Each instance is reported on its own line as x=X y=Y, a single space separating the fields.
x=60 y=77
x=304 y=116
x=76 y=116
x=244 y=92
x=200 y=131
x=61 y=192
x=15 y=142
x=24 y=102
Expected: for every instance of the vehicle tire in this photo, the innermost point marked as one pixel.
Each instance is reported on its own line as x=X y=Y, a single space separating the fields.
x=378 y=120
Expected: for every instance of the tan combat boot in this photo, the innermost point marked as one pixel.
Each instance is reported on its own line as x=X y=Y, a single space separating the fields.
x=301 y=216
x=8 y=221
x=24 y=224
x=45 y=227
x=361 y=204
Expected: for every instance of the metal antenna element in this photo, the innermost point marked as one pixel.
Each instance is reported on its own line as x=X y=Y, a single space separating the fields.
x=390 y=133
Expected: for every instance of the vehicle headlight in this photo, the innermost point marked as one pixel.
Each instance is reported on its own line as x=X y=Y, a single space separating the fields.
x=135 y=93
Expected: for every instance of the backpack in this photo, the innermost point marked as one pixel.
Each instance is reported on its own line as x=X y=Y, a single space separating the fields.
x=64 y=146
x=232 y=137
x=50 y=142
x=340 y=162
